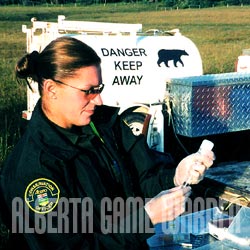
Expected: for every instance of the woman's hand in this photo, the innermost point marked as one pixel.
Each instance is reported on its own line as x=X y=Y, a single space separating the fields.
x=193 y=168
x=167 y=205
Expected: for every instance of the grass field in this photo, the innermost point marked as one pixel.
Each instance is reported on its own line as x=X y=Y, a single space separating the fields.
x=219 y=33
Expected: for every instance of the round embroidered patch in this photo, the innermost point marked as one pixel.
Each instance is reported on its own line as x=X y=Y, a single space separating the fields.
x=42 y=195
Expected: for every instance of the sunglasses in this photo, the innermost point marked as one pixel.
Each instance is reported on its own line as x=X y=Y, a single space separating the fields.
x=92 y=91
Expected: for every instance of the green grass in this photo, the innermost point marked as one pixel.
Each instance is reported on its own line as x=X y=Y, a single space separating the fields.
x=219 y=33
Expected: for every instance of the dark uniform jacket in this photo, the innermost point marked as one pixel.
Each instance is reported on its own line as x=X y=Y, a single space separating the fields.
x=60 y=186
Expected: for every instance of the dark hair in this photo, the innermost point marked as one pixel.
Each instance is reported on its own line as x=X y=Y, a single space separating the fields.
x=61 y=58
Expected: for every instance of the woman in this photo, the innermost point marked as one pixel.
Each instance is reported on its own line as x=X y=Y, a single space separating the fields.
x=62 y=181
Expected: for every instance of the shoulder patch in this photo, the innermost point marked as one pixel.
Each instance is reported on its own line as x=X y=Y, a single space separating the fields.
x=42 y=195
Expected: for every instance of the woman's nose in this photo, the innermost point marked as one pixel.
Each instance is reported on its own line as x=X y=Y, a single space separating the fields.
x=97 y=100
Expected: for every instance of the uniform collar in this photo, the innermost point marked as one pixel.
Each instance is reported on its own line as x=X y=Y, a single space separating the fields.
x=73 y=134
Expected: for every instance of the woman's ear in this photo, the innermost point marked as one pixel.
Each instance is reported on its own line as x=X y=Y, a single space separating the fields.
x=49 y=88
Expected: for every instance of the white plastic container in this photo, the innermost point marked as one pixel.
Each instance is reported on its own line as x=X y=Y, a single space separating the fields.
x=243 y=62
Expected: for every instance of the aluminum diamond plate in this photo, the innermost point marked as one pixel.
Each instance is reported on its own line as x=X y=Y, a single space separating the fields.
x=211 y=104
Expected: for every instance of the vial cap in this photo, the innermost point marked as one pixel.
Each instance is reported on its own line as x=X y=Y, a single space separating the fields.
x=206 y=145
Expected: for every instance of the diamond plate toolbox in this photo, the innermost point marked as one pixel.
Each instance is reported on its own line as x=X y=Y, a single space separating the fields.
x=210 y=104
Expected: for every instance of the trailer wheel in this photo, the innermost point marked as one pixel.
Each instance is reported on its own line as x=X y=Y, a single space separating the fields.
x=135 y=121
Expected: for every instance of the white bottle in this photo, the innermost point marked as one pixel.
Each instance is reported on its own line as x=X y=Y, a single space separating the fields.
x=206 y=145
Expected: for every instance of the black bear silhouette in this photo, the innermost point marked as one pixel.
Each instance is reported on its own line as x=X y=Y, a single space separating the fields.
x=165 y=55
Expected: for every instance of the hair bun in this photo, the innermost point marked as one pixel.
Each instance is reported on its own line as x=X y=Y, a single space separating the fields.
x=34 y=57
x=26 y=66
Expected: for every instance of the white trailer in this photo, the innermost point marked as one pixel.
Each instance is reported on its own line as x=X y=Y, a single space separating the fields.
x=136 y=66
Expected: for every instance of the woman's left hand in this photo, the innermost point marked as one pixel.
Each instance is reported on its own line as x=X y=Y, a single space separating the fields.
x=193 y=168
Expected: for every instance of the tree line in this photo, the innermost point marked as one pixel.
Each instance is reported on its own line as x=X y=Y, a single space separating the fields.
x=182 y=4
x=204 y=3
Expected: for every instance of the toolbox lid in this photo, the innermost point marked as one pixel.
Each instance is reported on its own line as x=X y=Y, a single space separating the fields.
x=213 y=79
